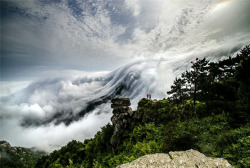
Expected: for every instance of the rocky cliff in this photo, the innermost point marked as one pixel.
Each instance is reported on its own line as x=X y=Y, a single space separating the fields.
x=121 y=119
x=180 y=159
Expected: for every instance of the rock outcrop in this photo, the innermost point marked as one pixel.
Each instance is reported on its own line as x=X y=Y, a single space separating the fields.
x=121 y=119
x=5 y=144
x=182 y=159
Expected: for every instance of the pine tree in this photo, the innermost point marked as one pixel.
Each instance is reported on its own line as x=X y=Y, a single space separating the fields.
x=197 y=79
x=178 y=90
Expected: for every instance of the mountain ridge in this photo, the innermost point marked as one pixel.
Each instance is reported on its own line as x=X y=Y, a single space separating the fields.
x=15 y=156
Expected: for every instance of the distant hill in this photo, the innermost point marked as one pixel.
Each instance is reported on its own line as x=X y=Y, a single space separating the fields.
x=18 y=157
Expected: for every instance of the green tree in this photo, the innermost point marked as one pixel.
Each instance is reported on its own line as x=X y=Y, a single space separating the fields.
x=178 y=90
x=197 y=79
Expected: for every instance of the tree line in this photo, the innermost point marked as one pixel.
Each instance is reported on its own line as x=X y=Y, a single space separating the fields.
x=223 y=81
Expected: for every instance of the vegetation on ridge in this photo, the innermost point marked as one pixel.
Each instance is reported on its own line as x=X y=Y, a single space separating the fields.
x=208 y=110
x=11 y=157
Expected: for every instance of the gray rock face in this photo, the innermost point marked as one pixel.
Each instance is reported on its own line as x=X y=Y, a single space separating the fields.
x=121 y=119
x=181 y=159
x=120 y=102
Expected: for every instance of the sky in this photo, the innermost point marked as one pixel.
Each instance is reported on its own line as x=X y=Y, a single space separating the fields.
x=60 y=58
x=39 y=36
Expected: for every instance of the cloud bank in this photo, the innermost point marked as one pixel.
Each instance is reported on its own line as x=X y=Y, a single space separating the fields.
x=57 y=110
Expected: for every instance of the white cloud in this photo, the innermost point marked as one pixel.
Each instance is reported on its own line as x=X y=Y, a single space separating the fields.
x=7 y=88
x=135 y=6
x=98 y=37
x=51 y=137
